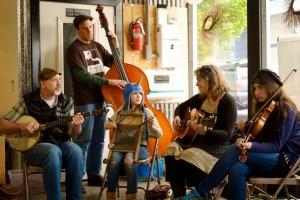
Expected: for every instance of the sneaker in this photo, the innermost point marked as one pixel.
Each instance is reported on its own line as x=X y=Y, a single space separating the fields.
x=95 y=180
x=193 y=195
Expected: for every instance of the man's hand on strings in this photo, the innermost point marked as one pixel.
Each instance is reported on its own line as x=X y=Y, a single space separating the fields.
x=30 y=127
x=118 y=83
x=114 y=38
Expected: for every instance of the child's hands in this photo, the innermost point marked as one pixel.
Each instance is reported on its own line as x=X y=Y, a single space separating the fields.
x=151 y=124
x=111 y=125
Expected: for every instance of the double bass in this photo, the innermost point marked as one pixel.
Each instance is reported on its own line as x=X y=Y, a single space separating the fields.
x=130 y=73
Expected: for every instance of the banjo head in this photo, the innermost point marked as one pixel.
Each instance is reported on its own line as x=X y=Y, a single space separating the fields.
x=23 y=141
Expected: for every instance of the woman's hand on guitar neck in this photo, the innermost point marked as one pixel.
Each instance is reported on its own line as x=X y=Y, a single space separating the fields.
x=241 y=124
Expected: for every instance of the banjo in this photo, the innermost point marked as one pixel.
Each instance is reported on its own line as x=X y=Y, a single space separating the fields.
x=22 y=141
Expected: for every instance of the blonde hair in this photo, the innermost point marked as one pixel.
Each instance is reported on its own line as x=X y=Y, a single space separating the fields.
x=217 y=85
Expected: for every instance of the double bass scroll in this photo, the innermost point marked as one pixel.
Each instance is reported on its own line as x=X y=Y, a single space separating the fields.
x=131 y=73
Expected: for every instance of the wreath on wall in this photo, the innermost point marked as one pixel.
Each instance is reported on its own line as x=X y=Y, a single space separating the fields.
x=211 y=25
x=291 y=16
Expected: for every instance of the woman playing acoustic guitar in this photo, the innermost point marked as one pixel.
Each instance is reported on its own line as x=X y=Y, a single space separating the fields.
x=275 y=148
x=204 y=137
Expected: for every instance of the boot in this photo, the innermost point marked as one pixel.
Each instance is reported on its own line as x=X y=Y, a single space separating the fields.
x=111 y=195
x=131 y=196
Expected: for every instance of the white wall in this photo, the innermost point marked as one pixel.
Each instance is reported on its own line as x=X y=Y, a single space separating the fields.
x=49 y=14
x=9 y=94
x=288 y=59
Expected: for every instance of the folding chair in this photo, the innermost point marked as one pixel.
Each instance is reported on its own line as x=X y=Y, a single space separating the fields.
x=127 y=138
x=217 y=191
x=291 y=179
x=27 y=171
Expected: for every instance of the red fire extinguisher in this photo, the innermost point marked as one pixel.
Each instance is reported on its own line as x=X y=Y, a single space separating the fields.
x=137 y=31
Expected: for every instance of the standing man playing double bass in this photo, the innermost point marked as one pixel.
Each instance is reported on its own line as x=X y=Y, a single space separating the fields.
x=86 y=59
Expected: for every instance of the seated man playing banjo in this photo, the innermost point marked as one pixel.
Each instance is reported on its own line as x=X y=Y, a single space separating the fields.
x=53 y=148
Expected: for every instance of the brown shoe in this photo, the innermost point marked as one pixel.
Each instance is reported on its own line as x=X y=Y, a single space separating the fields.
x=132 y=196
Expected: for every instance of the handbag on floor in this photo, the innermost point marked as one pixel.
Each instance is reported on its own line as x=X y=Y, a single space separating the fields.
x=9 y=192
x=159 y=192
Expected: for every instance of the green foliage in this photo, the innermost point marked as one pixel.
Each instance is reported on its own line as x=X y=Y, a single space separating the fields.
x=231 y=23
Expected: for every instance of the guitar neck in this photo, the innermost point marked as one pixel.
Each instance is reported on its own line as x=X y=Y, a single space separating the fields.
x=116 y=57
x=64 y=120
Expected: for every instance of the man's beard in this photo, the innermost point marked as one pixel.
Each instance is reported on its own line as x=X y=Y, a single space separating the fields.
x=57 y=91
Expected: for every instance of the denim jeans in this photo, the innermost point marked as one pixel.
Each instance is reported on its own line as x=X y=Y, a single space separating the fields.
x=257 y=164
x=91 y=139
x=52 y=158
x=113 y=169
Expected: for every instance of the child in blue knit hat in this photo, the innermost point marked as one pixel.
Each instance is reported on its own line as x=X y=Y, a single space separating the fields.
x=133 y=95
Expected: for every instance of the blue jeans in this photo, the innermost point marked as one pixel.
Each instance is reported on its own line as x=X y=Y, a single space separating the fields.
x=52 y=158
x=91 y=139
x=113 y=169
x=257 y=164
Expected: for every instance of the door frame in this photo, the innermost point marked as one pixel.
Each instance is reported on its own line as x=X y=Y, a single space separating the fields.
x=35 y=29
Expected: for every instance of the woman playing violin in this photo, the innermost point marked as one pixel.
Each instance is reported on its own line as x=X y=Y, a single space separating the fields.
x=188 y=162
x=274 y=149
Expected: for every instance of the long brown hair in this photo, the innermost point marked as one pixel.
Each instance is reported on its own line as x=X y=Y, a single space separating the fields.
x=284 y=102
x=217 y=85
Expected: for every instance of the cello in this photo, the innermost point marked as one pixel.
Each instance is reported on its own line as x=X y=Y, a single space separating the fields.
x=259 y=119
x=130 y=73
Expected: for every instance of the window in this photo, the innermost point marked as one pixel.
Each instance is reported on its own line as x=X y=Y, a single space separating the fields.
x=222 y=41
x=284 y=41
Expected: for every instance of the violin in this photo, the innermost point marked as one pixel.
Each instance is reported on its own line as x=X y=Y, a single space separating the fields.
x=259 y=123
x=259 y=119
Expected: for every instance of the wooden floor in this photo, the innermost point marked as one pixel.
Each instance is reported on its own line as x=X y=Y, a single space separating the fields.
x=92 y=194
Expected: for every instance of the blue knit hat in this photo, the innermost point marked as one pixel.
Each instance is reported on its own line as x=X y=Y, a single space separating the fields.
x=129 y=89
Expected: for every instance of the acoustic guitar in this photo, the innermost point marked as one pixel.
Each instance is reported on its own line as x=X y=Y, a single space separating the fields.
x=23 y=141
x=186 y=133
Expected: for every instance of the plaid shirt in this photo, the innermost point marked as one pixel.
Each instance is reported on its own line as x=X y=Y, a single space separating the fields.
x=17 y=112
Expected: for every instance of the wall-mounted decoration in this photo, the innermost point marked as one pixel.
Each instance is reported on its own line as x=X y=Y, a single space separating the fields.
x=292 y=15
x=211 y=25
x=73 y=12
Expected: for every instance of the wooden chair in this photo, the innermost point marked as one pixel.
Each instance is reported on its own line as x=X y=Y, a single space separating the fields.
x=127 y=138
x=291 y=179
